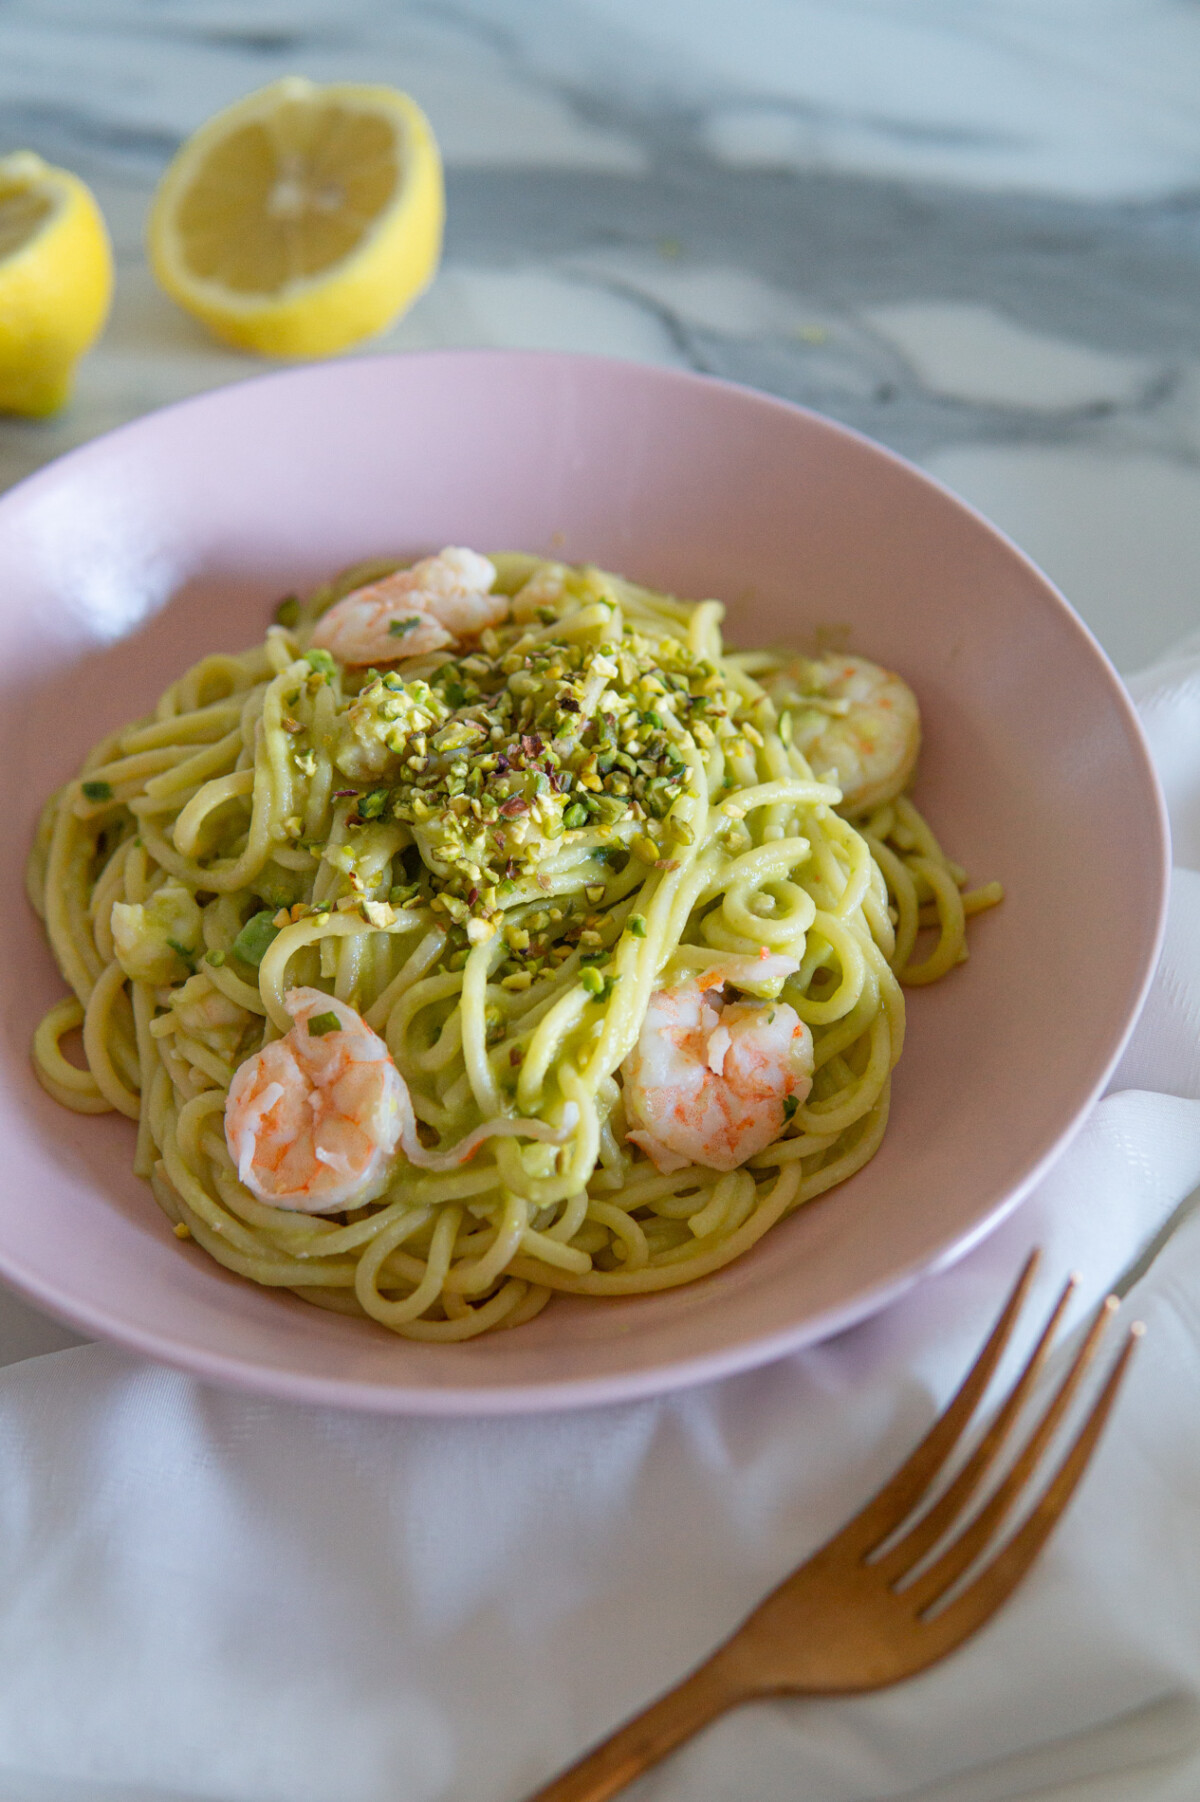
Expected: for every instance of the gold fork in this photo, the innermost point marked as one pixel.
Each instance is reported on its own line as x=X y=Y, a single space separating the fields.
x=846 y=1620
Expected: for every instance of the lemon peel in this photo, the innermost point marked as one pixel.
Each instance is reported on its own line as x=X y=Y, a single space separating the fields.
x=303 y=218
x=56 y=280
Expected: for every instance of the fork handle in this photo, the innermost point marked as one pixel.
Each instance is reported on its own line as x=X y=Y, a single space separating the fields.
x=649 y=1736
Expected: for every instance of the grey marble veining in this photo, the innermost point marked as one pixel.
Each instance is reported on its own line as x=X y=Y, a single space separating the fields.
x=973 y=233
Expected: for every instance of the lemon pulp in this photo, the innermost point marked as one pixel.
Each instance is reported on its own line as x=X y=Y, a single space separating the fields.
x=303 y=218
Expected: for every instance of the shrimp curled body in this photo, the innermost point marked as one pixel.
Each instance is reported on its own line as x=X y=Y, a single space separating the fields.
x=313 y=1119
x=707 y=1081
x=855 y=721
x=438 y=602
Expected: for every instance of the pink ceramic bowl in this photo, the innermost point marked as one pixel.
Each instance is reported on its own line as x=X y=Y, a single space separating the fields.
x=128 y=559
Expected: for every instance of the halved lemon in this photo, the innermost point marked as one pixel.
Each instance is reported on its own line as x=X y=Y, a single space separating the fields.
x=55 y=281
x=303 y=218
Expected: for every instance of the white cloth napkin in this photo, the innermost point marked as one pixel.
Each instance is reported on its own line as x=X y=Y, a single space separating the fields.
x=207 y=1596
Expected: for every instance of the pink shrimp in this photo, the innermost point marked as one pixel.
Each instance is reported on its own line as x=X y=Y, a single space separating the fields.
x=707 y=1081
x=438 y=602
x=313 y=1120
x=856 y=723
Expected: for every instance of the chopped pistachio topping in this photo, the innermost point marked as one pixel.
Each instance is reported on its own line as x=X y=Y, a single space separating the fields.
x=492 y=760
x=387 y=726
x=371 y=806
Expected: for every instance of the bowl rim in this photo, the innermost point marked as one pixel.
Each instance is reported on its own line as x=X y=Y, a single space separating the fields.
x=550 y=1394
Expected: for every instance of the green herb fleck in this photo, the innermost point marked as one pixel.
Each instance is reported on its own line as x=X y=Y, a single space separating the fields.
x=97 y=791
x=288 y=610
x=189 y=957
x=400 y=628
x=216 y=958
x=790 y=1104
x=256 y=937
x=637 y=926
x=320 y=1024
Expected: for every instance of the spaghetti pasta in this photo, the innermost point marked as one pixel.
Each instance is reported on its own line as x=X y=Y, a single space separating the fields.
x=491 y=856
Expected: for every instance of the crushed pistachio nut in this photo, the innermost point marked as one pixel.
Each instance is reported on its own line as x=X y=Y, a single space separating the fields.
x=542 y=730
x=255 y=938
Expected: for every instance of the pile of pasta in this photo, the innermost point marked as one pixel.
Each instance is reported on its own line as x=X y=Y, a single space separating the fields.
x=496 y=854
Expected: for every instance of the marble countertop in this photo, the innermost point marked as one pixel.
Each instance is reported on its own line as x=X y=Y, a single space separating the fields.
x=973 y=233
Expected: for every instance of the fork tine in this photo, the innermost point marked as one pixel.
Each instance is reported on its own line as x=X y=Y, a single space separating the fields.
x=996 y=1582
x=974 y=1537
x=931 y=1526
x=900 y=1495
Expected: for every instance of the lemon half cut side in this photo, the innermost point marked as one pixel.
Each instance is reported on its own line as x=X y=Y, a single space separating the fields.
x=55 y=281
x=303 y=218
